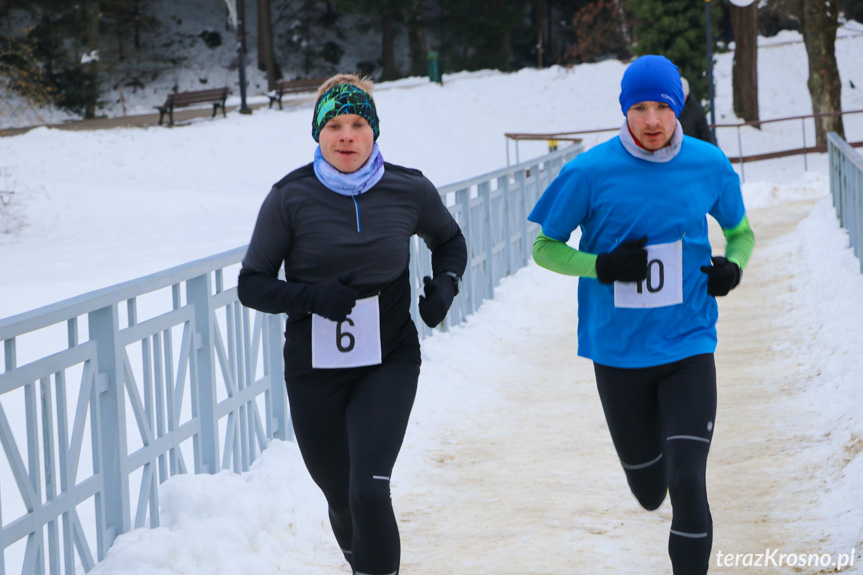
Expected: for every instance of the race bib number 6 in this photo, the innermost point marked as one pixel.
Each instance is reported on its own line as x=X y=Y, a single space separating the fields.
x=664 y=283
x=354 y=342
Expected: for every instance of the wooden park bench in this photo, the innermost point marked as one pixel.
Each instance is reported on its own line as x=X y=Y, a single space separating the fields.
x=293 y=87
x=214 y=96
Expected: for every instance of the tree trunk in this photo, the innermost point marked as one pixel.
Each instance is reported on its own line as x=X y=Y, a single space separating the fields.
x=744 y=74
x=540 y=14
x=500 y=46
x=93 y=48
x=819 y=22
x=388 y=54
x=625 y=32
x=416 y=38
x=49 y=56
x=266 y=53
x=136 y=18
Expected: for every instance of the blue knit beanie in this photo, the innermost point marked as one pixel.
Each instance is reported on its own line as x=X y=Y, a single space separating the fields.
x=651 y=79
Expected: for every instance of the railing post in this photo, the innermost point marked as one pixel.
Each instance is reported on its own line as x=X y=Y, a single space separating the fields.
x=855 y=219
x=858 y=185
x=525 y=205
x=832 y=159
x=280 y=418
x=462 y=199
x=506 y=220
x=486 y=218
x=104 y=330
x=846 y=188
x=198 y=296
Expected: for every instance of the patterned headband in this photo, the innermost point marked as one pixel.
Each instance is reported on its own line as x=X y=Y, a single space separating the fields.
x=344 y=99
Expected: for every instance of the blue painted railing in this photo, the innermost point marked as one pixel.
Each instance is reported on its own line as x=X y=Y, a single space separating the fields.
x=105 y=396
x=846 y=186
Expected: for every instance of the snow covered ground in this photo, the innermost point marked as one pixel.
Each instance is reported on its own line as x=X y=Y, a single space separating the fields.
x=507 y=466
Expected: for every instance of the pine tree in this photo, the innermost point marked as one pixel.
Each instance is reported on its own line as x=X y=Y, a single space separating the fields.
x=61 y=36
x=675 y=29
x=21 y=74
x=298 y=38
x=62 y=48
x=477 y=34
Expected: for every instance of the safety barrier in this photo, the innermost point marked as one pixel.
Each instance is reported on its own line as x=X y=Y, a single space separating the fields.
x=734 y=156
x=846 y=186
x=105 y=396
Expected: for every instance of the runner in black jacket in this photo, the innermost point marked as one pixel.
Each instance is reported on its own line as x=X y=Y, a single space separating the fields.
x=342 y=227
x=692 y=118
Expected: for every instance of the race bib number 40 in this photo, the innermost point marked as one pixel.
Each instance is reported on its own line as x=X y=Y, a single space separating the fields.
x=664 y=283
x=354 y=342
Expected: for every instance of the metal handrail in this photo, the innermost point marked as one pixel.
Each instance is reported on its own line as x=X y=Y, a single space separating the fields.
x=846 y=187
x=739 y=159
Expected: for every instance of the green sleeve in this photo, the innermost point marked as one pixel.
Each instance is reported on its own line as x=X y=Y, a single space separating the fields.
x=559 y=257
x=739 y=243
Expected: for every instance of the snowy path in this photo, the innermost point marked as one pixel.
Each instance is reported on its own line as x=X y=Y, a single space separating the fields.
x=527 y=481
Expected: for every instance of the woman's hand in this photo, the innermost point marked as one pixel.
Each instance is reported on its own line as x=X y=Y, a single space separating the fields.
x=437 y=299
x=334 y=299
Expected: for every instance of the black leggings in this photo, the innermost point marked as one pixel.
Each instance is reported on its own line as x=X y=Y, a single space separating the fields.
x=661 y=423
x=349 y=426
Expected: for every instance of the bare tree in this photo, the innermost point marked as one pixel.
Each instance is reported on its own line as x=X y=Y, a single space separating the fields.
x=819 y=21
x=540 y=14
x=416 y=37
x=388 y=46
x=266 y=52
x=625 y=31
x=92 y=11
x=500 y=44
x=744 y=21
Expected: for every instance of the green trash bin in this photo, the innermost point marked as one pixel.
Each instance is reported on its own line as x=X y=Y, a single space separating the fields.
x=434 y=67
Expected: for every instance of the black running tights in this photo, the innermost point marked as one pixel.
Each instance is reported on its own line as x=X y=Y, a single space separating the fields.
x=349 y=427
x=661 y=423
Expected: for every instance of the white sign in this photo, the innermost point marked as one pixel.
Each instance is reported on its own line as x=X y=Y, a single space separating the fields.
x=742 y=3
x=664 y=283
x=351 y=343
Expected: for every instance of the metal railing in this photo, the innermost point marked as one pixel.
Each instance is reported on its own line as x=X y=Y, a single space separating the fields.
x=846 y=187
x=804 y=150
x=105 y=396
x=737 y=158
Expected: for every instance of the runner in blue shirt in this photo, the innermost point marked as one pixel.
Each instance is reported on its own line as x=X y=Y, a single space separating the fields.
x=646 y=301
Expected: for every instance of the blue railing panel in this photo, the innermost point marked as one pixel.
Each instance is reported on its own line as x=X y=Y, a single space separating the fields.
x=846 y=187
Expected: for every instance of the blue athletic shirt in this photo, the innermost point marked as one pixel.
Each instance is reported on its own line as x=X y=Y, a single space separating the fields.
x=616 y=197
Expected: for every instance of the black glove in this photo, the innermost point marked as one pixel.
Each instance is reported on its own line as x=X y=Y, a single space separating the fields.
x=333 y=299
x=722 y=277
x=626 y=263
x=439 y=293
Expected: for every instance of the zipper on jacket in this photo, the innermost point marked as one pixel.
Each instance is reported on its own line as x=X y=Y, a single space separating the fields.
x=359 y=225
